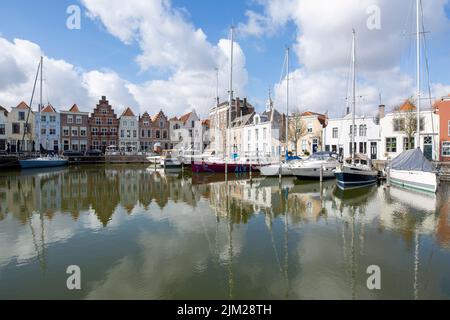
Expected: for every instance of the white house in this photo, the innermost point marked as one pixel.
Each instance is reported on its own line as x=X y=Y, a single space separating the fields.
x=394 y=140
x=4 y=129
x=48 y=129
x=337 y=136
x=264 y=136
x=128 y=131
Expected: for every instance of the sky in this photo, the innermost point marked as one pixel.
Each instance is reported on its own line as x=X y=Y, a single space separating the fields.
x=156 y=55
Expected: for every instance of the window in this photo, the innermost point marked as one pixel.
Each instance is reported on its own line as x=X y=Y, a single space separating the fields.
x=350 y=147
x=256 y=134
x=146 y=123
x=193 y=124
x=161 y=124
x=122 y=134
x=164 y=134
x=128 y=134
x=363 y=147
x=83 y=146
x=334 y=148
x=310 y=127
x=446 y=148
x=98 y=121
x=134 y=134
x=104 y=131
x=335 y=133
x=149 y=133
x=351 y=131
x=391 y=144
x=65 y=131
x=125 y=123
x=399 y=125
x=52 y=118
x=362 y=130
x=265 y=133
x=110 y=121
x=327 y=148
x=95 y=131
x=43 y=131
x=70 y=119
x=15 y=128
x=304 y=142
x=66 y=145
x=75 y=132
x=2 y=128
x=104 y=111
x=21 y=116
x=113 y=131
x=142 y=133
x=132 y=124
x=52 y=131
x=43 y=118
x=158 y=134
x=83 y=132
x=79 y=120
x=407 y=145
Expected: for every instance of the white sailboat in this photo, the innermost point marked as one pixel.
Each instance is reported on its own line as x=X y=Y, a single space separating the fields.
x=311 y=167
x=356 y=173
x=282 y=167
x=411 y=169
x=42 y=161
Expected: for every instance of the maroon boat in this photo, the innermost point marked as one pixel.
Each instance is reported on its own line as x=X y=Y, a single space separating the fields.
x=211 y=166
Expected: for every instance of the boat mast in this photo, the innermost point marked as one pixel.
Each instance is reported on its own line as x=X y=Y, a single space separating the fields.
x=287 y=100
x=353 y=96
x=230 y=99
x=216 y=139
x=418 y=71
x=40 y=107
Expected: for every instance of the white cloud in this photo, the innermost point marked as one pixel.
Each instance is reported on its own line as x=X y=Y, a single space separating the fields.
x=323 y=47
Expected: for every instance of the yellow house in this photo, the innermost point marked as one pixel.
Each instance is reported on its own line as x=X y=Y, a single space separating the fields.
x=306 y=132
x=21 y=132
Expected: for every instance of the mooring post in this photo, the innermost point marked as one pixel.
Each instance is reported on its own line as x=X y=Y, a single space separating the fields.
x=388 y=176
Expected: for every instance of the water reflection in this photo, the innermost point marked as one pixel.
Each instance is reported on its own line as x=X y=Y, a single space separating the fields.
x=141 y=233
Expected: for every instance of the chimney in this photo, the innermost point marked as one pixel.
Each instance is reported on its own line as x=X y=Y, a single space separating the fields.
x=245 y=102
x=103 y=98
x=381 y=111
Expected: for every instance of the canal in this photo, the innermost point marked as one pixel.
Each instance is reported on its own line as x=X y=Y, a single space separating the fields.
x=136 y=233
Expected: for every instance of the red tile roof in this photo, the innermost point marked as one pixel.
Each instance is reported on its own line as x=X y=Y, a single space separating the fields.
x=22 y=105
x=128 y=113
x=174 y=119
x=407 y=106
x=158 y=115
x=49 y=109
x=74 y=108
x=185 y=117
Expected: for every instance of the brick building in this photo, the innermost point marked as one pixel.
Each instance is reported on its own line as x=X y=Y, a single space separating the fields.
x=145 y=132
x=74 y=129
x=160 y=130
x=104 y=126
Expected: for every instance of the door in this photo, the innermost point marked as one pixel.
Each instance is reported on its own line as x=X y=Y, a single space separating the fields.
x=315 y=145
x=428 y=147
x=373 y=150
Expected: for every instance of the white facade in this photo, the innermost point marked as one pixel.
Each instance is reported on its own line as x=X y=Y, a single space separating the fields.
x=337 y=136
x=261 y=138
x=128 y=131
x=4 y=129
x=394 y=141
x=188 y=133
x=48 y=129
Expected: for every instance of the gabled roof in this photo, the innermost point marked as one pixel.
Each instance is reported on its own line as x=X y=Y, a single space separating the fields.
x=22 y=105
x=185 y=117
x=74 y=108
x=49 y=109
x=2 y=109
x=206 y=123
x=407 y=106
x=128 y=113
x=174 y=119
x=158 y=115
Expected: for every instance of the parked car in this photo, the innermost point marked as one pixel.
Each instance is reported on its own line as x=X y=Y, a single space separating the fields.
x=94 y=153
x=73 y=154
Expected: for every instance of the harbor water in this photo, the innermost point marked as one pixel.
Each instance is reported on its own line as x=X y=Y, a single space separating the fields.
x=139 y=233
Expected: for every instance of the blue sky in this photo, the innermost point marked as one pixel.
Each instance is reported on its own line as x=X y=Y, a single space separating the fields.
x=95 y=47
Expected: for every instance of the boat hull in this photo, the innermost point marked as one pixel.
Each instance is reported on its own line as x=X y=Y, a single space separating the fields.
x=417 y=180
x=274 y=170
x=351 y=178
x=31 y=163
x=199 y=167
x=313 y=173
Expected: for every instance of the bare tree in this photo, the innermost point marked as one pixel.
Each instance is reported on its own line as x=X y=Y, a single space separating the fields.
x=297 y=127
x=405 y=120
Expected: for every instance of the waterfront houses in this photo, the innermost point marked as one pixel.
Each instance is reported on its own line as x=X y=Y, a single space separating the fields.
x=306 y=131
x=443 y=109
x=104 y=126
x=185 y=132
x=219 y=118
x=22 y=134
x=397 y=131
x=128 y=131
x=48 y=129
x=4 y=129
x=74 y=129
x=337 y=136
x=236 y=134
x=160 y=131
x=145 y=132
x=264 y=135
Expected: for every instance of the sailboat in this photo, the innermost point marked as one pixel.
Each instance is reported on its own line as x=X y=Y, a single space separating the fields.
x=283 y=167
x=217 y=165
x=357 y=173
x=41 y=161
x=411 y=169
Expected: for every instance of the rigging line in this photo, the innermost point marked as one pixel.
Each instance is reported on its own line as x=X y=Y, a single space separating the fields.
x=31 y=102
